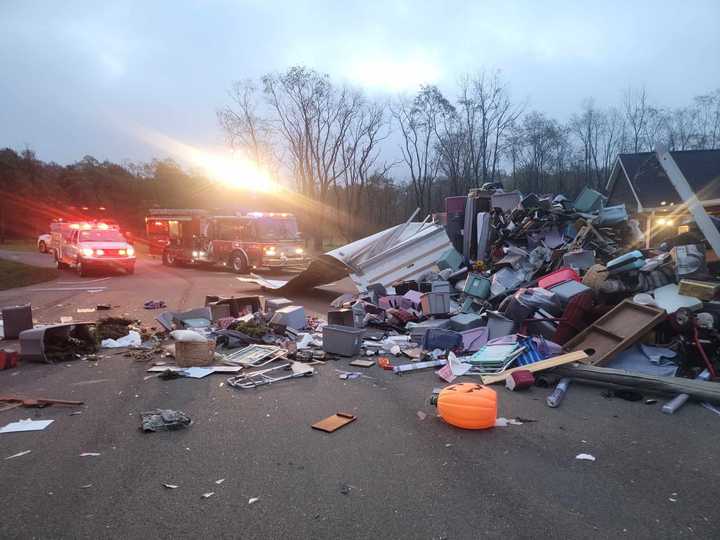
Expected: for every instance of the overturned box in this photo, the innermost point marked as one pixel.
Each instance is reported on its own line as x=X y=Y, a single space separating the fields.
x=289 y=317
x=417 y=333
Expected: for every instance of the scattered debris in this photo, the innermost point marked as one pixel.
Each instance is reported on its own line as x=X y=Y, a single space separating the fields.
x=334 y=422
x=220 y=481
x=90 y=454
x=19 y=454
x=362 y=363
x=585 y=457
x=253 y=500
x=164 y=420
x=37 y=402
x=26 y=425
x=505 y=422
x=171 y=486
x=208 y=494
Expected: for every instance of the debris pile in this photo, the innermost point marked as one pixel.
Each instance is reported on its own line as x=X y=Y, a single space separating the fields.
x=526 y=291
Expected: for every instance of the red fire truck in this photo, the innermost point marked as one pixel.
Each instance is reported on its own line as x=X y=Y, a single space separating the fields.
x=241 y=242
x=158 y=223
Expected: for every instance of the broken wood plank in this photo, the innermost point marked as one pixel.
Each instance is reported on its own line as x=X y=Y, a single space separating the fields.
x=615 y=331
x=334 y=422
x=576 y=356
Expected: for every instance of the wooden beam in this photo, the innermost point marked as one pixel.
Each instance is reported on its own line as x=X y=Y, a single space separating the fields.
x=576 y=356
x=697 y=389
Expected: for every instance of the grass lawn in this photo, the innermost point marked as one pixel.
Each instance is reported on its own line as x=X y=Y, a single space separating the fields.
x=20 y=245
x=14 y=274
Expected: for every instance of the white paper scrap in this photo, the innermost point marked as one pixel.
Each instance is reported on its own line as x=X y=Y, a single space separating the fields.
x=19 y=454
x=586 y=457
x=26 y=425
x=197 y=372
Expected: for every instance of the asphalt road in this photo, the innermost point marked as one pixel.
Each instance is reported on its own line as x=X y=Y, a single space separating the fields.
x=390 y=474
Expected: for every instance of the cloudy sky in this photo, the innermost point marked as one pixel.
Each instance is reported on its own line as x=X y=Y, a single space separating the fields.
x=82 y=77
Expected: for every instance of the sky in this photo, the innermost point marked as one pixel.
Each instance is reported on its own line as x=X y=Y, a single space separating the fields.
x=87 y=78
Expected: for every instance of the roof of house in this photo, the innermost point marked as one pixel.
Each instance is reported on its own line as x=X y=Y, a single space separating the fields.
x=651 y=186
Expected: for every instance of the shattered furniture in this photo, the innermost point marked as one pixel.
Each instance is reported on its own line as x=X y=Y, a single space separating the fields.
x=615 y=331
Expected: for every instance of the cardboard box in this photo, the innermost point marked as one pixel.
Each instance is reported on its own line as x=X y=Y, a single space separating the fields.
x=703 y=290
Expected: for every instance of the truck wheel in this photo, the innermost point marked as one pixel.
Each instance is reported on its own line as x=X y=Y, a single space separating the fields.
x=238 y=262
x=131 y=270
x=81 y=269
x=168 y=259
x=60 y=265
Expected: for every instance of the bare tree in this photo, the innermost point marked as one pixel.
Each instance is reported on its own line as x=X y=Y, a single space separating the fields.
x=636 y=109
x=417 y=120
x=539 y=141
x=312 y=119
x=245 y=127
x=359 y=160
x=600 y=134
x=681 y=128
x=487 y=115
x=707 y=109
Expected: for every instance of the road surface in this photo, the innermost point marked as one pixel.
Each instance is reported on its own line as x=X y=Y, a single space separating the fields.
x=391 y=474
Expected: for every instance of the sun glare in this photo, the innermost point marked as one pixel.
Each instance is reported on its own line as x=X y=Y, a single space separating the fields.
x=392 y=75
x=228 y=168
x=235 y=172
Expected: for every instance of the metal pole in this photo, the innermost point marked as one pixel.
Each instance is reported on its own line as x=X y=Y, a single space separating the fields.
x=688 y=196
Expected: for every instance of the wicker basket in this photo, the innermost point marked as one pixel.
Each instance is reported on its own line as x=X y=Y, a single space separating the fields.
x=190 y=353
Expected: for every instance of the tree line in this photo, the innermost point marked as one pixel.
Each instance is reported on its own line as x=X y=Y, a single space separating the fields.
x=358 y=164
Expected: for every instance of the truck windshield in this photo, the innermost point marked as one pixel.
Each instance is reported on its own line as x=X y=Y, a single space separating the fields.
x=101 y=236
x=277 y=229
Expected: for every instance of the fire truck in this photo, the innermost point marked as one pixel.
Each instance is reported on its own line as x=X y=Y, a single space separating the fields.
x=90 y=244
x=240 y=242
x=158 y=223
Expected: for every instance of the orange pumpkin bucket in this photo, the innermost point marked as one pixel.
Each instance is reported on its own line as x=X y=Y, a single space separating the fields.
x=468 y=406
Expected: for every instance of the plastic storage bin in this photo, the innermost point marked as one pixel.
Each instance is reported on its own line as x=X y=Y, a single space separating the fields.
x=15 y=320
x=566 y=290
x=417 y=332
x=341 y=317
x=558 y=276
x=342 y=340
x=439 y=338
x=434 y=303
x=477 y=286
x=440 y=286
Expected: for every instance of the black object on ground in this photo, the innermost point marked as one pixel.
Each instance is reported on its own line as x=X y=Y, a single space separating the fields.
x=164 y=420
